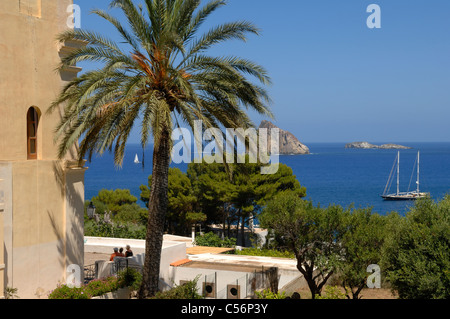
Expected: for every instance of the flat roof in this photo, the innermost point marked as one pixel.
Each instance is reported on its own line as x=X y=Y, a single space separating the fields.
x=210 y=259
x=223 y=266
x=197 y=250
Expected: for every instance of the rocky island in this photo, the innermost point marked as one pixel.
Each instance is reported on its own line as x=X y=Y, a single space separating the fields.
x=289 y=144
x=367 y=145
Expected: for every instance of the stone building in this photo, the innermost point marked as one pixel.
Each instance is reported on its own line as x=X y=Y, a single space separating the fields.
x=41 y=197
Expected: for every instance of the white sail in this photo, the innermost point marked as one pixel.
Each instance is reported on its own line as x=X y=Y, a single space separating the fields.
x=136 y=159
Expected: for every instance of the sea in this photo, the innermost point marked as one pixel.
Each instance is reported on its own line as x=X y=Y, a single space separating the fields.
x=331 y=173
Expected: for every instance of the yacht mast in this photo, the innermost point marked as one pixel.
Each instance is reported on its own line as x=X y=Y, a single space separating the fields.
x=398 y=172
x=418 y=164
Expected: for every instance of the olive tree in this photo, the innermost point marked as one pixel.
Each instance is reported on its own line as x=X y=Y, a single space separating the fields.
x=312 y=233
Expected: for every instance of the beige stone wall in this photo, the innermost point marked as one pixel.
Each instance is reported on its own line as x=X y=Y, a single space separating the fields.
x=42 y=227
x=29 y=55
x=74 y=222
x=38 y=233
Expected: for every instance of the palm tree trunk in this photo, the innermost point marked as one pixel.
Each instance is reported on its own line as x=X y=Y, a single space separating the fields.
x=157 y=208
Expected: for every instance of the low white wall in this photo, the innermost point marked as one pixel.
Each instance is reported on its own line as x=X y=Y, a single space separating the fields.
x=104 y=267
x=172 y=251
x=221 y=278
x=106 y=245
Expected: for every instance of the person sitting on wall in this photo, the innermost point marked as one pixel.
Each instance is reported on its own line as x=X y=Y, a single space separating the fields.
x=128 y=252
x=116 y=253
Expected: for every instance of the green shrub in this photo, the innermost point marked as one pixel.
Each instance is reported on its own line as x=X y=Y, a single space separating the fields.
x=126 y=278
x=265 y=253
x=100 y=287
x=186 y=291
x=269 y=294
x=11 y=293
x=130 y=278
x=212 y=240
x=114 y=230
x=416 y=256
x=331 y=292
x=66 y=292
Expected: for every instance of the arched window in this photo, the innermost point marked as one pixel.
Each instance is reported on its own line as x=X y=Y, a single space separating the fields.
x=32 y=126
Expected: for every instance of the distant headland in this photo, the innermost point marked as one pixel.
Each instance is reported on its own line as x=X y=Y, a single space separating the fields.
x=367 y=145
x=289 y=144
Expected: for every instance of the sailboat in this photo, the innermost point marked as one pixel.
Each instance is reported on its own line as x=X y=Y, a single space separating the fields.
x=136 y=159
x=409 y=195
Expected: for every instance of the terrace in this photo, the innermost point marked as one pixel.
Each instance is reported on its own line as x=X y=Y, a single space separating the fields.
x=220 y=275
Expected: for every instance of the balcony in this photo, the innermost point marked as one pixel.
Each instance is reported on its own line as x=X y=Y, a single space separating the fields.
x=67 y=48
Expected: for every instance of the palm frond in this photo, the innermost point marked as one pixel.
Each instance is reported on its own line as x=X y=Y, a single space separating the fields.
x=221 y=33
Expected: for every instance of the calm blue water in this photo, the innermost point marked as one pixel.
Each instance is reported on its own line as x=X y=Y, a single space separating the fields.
x=331 y=174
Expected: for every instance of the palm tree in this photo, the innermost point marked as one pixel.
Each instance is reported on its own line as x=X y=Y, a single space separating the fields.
x=158 y=76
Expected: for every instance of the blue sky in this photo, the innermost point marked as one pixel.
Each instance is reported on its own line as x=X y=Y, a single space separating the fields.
x=335 y=79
